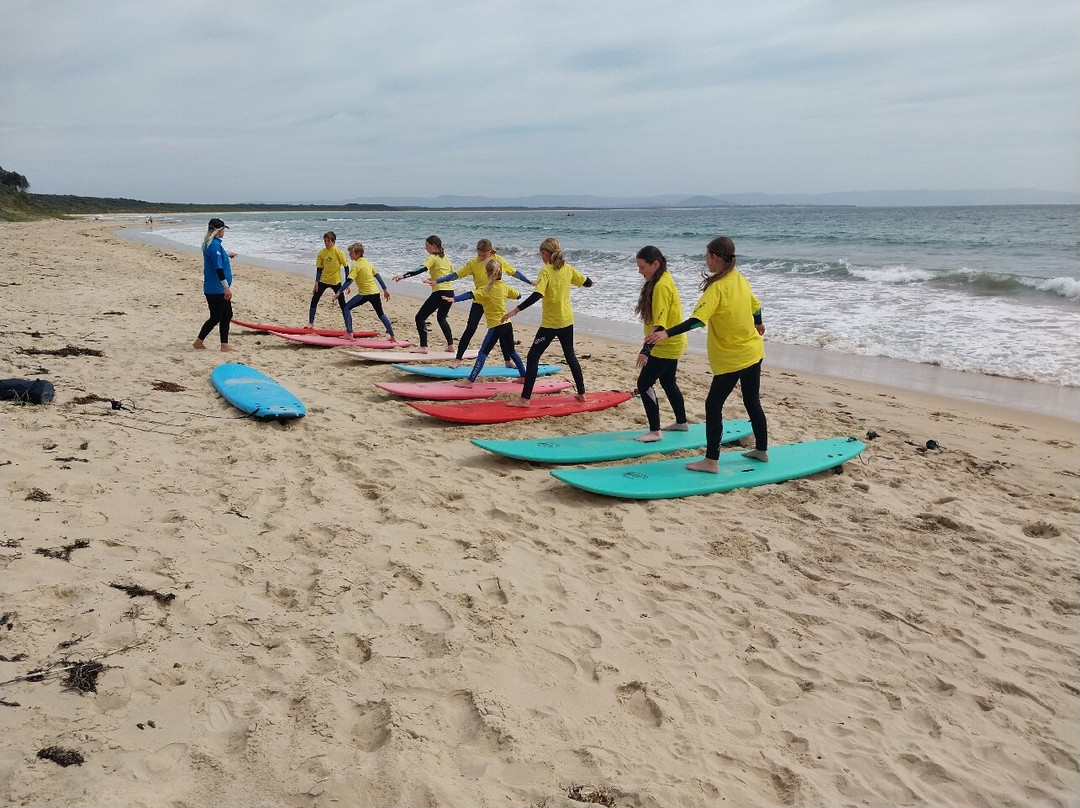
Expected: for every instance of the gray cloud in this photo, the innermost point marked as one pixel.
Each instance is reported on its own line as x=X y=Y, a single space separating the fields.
x=186 y=100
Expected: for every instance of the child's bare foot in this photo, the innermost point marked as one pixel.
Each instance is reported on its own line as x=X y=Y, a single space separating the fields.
x=649 y=437
x=757 y=454
x=309 y=326
x=705 y=464
x=581 y=397
x=199 y=344
x=463 y=383
x=677 y=427
x=421 y=349
x=226 y=347
x=518 y=402
x=454 y=363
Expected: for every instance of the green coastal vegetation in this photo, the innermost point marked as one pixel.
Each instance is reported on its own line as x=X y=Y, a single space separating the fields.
x=17 y=204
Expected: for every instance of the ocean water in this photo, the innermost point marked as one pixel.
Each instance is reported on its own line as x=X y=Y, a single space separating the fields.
x=991 y=290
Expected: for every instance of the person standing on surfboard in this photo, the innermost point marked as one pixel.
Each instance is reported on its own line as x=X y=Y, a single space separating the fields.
x=366 y=276
x=437 y=302
x=733 y=315
x=217 y=285
x=556 y=320
x=477 y=267
x=492 y=299
x=330 y=268
x=659 y=307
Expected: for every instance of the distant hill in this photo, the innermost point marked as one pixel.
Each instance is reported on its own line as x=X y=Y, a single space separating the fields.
x=908 y=198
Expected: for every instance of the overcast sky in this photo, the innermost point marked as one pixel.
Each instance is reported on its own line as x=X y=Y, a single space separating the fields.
x=318 y=101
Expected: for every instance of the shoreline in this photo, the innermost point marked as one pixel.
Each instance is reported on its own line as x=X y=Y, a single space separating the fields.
x=361 y=607
x=974 y=389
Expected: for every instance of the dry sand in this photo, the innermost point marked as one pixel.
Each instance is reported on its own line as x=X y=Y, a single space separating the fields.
x=369 y=611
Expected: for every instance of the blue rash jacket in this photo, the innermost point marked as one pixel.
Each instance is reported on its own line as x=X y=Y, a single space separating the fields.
x=216 y=268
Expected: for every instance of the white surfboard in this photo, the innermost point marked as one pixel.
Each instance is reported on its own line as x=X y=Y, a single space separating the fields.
x=409 y=356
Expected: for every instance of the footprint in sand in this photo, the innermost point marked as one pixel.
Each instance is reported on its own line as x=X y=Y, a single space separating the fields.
x=635 y=700
x=493 y=591
x=372 y=726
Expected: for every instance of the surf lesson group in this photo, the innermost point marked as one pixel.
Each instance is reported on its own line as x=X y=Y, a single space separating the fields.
x=727 y=308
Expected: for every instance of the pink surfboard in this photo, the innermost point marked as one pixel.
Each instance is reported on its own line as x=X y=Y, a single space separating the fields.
x=448 y=391
x=498 y=412
x=339 y=342
x=291 y=329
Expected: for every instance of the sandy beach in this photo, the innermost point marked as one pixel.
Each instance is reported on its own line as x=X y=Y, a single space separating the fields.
x=361 y=608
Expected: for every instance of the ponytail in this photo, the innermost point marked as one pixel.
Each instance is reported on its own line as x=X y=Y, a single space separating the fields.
x=552 y=247
x=724 y=249
x=494 y=272
x=211 y=234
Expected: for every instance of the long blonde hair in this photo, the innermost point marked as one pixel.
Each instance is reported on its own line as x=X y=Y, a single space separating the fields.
x=210 y=234
x=552 y=247
x=494 y=272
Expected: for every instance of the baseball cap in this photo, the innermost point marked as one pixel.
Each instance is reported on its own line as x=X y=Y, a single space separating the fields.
x=217 y=224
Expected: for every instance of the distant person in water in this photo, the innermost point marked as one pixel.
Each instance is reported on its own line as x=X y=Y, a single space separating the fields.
x=368 y=282
x=659 y=307
x=438 y=302
x=477 y=268
x=733 y=315
x=217 y=285
x=492 y=298
x=556 y=319
x=331 y=265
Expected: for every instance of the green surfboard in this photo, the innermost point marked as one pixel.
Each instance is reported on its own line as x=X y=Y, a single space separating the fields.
x=667 y=479
x=598 y=446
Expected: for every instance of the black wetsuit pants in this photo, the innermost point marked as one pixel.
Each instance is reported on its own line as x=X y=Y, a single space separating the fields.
x=544 y=337
x=722 y=385
x=436 y=302
x=476 y=314
x=220 y=315
x=662 y=371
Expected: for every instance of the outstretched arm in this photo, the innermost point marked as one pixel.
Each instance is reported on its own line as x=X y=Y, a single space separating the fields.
x=524 y=304
x=674 y=331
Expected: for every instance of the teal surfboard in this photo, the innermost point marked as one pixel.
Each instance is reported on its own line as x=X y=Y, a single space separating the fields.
x=592 y=448
x=666 y=479
x=255 y=393
x=462 y=372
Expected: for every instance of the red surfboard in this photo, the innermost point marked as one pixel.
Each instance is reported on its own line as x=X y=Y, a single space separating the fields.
x=292 y=329
x=340 y=342
x=498 y=412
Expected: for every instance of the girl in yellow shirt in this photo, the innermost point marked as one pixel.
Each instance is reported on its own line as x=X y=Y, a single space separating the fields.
x=438 y=302
x=736 y=350
x=659 y=307
x=492 y=299
x=477 y=268
x=557 y=318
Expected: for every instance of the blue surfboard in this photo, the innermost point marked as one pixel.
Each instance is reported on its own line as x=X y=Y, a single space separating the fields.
x=666 y=479
x=598 y=446
x=462 y=372
x=255 y=393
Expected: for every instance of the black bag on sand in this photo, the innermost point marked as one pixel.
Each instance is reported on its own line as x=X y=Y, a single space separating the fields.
x=26 y=391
